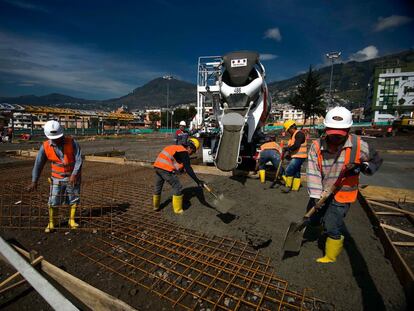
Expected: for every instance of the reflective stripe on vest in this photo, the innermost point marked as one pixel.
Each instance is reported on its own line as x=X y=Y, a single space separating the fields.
x=302 y=151
x=348 y=191
x=166 y=160
x=61 y=169
x=271 y=146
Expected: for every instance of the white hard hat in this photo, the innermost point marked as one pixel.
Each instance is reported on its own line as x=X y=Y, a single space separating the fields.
x=182 y=123
x=53 y=130
x=338 y=118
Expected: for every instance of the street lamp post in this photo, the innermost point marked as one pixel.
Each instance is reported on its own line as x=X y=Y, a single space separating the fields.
x=168 y=78
x=332 y=56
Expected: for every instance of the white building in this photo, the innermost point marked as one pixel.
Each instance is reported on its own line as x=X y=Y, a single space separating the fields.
x=394 y=93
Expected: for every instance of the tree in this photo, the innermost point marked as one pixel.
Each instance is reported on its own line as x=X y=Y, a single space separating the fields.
x=154 y=117
x=308 y=96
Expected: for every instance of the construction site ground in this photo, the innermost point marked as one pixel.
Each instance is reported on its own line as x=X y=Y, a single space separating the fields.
x=362 y=279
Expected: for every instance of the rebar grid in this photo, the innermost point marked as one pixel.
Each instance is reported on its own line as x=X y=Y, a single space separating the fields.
x=191 y=270
x=104 y=192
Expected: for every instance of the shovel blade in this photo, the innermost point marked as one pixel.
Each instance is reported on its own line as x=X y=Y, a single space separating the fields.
x=293 y=238
x=222 y=204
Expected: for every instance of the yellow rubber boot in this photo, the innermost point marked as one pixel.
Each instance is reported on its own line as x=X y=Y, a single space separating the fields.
x=72 y=224
x=284 y=179
x=289 y=181
x=262 y=175
x=177 y=202
x=296 y=184
x=50 y=227
x=332 y=250
x=156 y=198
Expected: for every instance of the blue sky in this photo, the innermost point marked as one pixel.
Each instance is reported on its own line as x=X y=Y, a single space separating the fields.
x=104 y=49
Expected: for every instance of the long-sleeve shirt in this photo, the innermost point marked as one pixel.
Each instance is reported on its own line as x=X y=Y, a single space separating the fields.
x=332 y=165
x=41 y=159
x=184 y=159
x=299 y=140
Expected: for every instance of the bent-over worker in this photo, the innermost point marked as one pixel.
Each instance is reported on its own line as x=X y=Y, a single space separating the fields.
x=329 y=157
x=171 y=161
x=269 y=151
x=66 y=163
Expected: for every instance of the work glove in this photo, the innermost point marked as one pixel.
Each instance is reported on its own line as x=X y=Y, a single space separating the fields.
x=353 y=168
x=365 y=169
x=201 y=183
x=32 y=186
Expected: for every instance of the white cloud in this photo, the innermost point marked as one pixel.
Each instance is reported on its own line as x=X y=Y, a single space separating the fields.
x=55 y=64
x=391 y=22
x=367 y=53
x=273 y=33
x=27 y=5
x=265 y=57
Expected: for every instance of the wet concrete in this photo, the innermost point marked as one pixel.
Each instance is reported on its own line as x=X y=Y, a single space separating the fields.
x=362 y=279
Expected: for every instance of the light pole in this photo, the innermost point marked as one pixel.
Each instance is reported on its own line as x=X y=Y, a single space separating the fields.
x=168 y=78
x=332 y=56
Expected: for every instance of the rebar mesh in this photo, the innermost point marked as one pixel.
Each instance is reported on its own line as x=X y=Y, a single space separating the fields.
x=193 y=271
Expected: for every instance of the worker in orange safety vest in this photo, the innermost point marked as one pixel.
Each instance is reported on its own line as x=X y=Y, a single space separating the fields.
x=296 y=152
x=337 y=159
x=269 y=151
x=66 y=163
x=171 y=161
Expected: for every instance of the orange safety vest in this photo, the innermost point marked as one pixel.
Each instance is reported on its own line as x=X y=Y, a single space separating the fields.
x=348 y=190
x=271 y=146
x=166 y=161
x=61 y=169
x=302 y=152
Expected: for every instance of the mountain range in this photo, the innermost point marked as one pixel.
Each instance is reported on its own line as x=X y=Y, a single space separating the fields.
x=350 y=81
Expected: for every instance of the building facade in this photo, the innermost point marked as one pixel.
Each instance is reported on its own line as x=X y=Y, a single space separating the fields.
x=393 y=93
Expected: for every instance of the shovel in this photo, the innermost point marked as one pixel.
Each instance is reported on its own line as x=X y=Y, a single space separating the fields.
x=220 y=203
x=294 y=235
x=277 y=172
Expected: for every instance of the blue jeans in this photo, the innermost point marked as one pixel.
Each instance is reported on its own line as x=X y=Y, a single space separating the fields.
x=62 y=192
x=268 y=155
x=331 y=215
x=293 y=169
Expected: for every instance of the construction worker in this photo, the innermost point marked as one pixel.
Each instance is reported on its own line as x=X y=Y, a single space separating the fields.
x=66 y=163
x=171 y=161
x=296 y=151
x=269 y=151
x=181 y=135
x=337 y=159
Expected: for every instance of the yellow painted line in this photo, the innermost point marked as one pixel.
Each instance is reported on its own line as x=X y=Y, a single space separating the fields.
x=396 y=151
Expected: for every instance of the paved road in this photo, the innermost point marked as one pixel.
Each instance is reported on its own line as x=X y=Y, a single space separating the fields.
x=397 y=171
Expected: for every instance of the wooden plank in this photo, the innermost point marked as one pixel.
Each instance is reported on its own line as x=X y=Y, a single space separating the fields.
x=403 y=271
x=55 y=299
x=387 y=194
x=389 y=213
x=408 y=244
x=89 y=295
x=12 y=286
x=398 y=230
x=395 y=209
x=13 y=276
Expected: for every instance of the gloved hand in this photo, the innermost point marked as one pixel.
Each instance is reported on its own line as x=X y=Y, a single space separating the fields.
x=32 y=186
x=353 y=168
x=201 y=183
x=365 y=168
